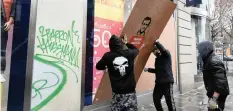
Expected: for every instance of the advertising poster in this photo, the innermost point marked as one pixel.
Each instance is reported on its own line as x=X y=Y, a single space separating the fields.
x=147 y=19
x=137 y=41
x=109 y=17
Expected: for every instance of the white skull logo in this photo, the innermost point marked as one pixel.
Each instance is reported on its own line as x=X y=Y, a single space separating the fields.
x=120 y=63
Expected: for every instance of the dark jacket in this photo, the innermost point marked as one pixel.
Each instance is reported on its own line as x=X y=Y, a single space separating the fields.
x=214 y=73
x=13 y=10
x=120 y=64
x=163 y=66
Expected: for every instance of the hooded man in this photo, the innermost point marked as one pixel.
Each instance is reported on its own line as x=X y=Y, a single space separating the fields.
x=214 y=76
x=164 y=78
x=120 y=64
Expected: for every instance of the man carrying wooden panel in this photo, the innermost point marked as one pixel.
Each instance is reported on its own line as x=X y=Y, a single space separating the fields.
x=120 y=65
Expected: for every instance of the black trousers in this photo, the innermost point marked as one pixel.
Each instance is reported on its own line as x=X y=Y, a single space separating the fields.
x=221 y=103
x=165 y=90
x=4 y=38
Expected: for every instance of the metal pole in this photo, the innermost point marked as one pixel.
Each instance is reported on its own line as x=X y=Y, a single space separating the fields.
x=82 y=99
x=178 y=77
x=30 y=54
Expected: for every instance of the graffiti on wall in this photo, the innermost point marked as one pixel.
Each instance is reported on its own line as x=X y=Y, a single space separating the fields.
x=59 y=43
x=56 y=59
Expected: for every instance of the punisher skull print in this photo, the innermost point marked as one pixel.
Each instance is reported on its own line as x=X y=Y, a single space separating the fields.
x=120 y=63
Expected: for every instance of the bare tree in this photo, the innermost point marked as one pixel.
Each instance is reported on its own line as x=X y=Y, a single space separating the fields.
x=229 y=30
x=221 y=19
x=214 y=24
x=215 y=21
x=229 y=21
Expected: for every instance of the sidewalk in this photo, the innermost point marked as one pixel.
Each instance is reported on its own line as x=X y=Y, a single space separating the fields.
x=195 y=100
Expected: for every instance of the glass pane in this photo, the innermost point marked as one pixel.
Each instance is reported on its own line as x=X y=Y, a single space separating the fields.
x=14 y=44
x=8 y=19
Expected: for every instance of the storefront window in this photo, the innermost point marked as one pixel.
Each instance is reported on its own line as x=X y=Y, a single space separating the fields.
x=8 y=21
x=110 y=18
x=15 y=16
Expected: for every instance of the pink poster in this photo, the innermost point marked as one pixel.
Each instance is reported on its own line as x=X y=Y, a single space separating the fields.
x=103 y=29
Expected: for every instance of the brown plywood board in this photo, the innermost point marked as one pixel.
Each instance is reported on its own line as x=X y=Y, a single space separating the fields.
x=158 y=12
x=168 y=39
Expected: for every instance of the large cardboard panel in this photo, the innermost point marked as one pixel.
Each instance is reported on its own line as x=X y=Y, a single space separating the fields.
x=148 y=19
x=168 y=39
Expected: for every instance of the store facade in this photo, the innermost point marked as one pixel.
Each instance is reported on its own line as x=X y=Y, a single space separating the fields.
x=200 y=19
x=61 y=42
x=109 y=18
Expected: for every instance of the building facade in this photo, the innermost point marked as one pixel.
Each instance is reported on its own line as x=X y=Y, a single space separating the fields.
x=200 y=20
x=190 y=25
x=49 y=77
x=192 y=28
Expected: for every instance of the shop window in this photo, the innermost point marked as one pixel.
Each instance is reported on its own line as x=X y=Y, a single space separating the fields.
x=107 y=21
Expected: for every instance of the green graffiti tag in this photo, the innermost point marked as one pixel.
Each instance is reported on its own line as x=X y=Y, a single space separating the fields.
x=55 y=60
x=43 y=86
x=60 y=44
x=60 y=49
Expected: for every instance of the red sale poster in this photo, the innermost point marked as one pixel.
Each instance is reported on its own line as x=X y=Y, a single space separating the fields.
x=103 y=29
x=137 y=41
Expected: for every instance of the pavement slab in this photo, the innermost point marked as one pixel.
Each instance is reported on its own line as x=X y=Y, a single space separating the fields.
x=195 y=100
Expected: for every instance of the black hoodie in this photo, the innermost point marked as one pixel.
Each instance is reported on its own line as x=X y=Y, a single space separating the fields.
x=214 y=73
x=120 y=64
x=163 y=66
x=205 y=49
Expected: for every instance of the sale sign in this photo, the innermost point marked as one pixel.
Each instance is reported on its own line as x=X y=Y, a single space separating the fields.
x=137 y=41
x=108 y=21
x=103 y=30
x=110 y=9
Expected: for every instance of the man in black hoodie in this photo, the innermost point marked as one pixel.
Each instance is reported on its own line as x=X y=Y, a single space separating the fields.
x=164 y=78
x=214 y=76
x=120 y=65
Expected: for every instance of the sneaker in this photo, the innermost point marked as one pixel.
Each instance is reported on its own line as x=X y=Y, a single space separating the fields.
x=2 y=78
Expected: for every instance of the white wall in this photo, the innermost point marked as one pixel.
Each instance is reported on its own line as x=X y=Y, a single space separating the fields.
x=187 y=57
x=58 y=55
x=194 y=42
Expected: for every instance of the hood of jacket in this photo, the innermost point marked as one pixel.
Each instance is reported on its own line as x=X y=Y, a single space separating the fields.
x=115 y=44
x=205 y=49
